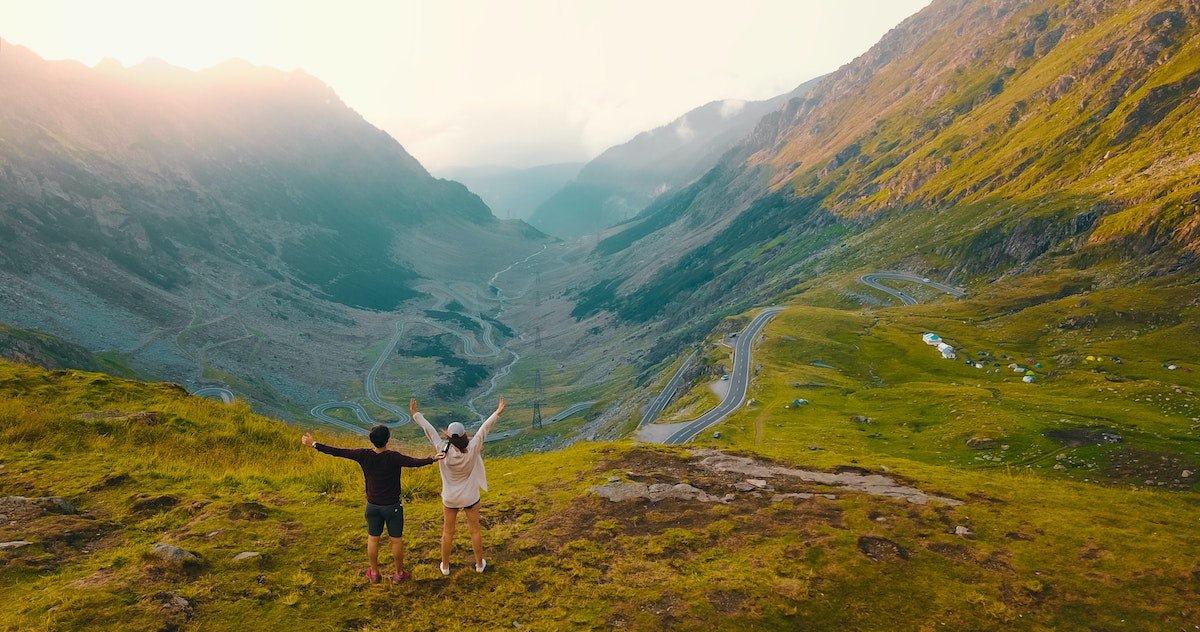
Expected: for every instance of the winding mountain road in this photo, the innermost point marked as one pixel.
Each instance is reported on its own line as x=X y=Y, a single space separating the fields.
x=569 y=411
x=486 y=337
x=664 y=398
x=872 y=280
x=218 y=392
x=739 y=381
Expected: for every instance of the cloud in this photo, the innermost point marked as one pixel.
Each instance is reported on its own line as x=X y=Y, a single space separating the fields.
x=731 y=107
x=684 y=131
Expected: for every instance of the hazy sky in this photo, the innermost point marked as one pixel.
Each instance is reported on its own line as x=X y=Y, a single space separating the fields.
x=459 y=82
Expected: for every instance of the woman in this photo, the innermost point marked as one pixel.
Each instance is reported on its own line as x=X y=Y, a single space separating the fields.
x=463 y=477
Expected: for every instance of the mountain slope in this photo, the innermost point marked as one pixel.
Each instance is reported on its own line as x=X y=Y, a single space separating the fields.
x=1025 y=129
x=228 y=222
x=515 y=193
x=621 y=181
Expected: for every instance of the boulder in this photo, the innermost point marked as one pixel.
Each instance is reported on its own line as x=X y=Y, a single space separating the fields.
x=16 y=544
x=172 y=553
x=246 y=555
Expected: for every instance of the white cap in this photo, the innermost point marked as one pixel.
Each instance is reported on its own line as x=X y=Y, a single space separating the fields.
x=456 y=428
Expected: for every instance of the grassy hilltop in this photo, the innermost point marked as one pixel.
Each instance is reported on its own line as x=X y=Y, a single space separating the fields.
x=1060 y=526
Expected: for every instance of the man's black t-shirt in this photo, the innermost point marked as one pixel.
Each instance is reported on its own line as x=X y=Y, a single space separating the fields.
x=380 y=469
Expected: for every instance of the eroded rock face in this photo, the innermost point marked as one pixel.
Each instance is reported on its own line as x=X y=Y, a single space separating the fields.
x=875 y=484
x=730 y=477
x=20 y=508
x=654 y=492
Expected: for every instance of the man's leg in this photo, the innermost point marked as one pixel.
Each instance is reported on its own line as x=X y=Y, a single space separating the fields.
x=476 y=534
x=373 y=553
x=398 y=553
x=449 y=517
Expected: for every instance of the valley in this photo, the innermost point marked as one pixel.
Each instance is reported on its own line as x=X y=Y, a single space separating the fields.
x=911 y=345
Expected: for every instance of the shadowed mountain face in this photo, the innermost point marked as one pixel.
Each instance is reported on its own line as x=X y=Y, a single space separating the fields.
x=620 y=182
x=136 y=201
x=148 y=165
x=1027 y=134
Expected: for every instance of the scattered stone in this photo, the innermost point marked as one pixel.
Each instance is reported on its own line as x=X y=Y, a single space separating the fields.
x=983 y=443
x=881 y=549
x=743 y=486
x=1079 y=437
x=860 y=419
x=757 y=482
x=143 y=504
x=16 y=544
x=815 y=447
x=172 y=553
x=1187 y=473
x=172 y=603
x=962 y=531
x=246 y=555
x=248 y=511
x=614 y=479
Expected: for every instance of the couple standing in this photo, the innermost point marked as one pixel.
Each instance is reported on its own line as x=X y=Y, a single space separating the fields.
x=460 y=459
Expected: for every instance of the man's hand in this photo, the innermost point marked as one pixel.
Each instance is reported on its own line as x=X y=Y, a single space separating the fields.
x=501 y=405
x=307 y=439
x=439 y=456
x=412 y=406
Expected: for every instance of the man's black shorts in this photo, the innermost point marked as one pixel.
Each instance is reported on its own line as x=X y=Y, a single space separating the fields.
x=391 y=515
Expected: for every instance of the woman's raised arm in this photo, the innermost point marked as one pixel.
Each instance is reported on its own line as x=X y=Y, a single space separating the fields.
x=427 y=427
x=482 y=433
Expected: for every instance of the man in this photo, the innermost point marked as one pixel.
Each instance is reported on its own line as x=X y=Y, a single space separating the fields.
x=381 y=471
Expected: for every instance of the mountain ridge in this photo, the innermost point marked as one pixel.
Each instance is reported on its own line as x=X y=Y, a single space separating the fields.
x=220 y=223
x=623 y=179
x=960 y=107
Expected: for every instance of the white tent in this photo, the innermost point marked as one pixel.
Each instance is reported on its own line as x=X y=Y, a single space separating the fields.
x=947 y=351
x=931 y=339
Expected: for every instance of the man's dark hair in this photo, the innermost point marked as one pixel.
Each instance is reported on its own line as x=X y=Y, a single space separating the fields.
x=380 y=435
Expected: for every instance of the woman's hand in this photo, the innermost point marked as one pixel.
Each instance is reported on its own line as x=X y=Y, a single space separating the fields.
x=501 y=405
x=412 y=406
x=443 y=434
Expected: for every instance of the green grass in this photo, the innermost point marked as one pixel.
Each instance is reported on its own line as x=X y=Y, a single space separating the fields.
x=1085 y=545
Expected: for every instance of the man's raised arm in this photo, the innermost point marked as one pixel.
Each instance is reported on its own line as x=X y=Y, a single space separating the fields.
x=344 y=453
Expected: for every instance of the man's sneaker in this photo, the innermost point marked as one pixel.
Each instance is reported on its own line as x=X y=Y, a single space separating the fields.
x=373 y=576
x=402 y=576
x=445 y=568
x=479 y=567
